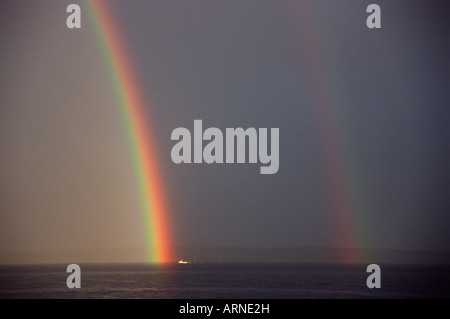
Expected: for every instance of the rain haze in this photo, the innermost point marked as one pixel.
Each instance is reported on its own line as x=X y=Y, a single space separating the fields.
x=363 y=117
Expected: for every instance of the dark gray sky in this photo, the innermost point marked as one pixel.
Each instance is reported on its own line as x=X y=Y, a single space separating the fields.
x=66 y=174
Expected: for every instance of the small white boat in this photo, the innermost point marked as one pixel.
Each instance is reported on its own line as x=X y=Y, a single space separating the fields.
x=184 y=262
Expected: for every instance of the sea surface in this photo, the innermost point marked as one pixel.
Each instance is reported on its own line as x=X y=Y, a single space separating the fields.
x=225 y=280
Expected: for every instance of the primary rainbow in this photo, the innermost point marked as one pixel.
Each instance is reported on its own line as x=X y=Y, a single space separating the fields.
x=133 y=113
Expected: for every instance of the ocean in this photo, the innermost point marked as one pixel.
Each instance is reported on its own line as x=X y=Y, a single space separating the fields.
x=224 y=281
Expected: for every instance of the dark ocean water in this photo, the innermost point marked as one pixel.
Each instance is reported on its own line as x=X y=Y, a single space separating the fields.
x=225 y=280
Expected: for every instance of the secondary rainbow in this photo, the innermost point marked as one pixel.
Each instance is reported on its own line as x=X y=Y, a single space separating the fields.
x=339 y=169
x=132 y=110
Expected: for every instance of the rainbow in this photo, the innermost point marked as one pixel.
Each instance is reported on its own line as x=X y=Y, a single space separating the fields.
x=132 y=110
x=342 y=198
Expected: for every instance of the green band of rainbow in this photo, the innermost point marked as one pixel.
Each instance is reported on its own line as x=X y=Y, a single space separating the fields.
x=132 y=111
